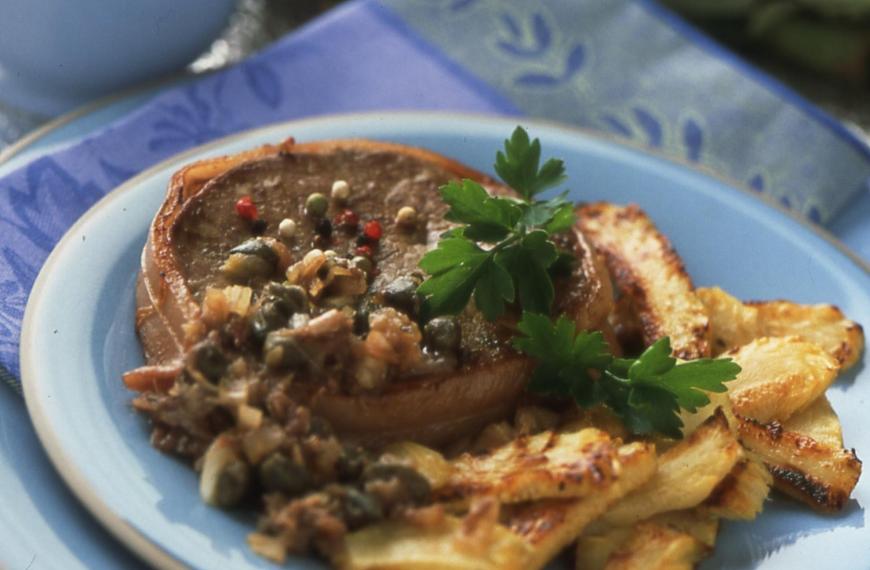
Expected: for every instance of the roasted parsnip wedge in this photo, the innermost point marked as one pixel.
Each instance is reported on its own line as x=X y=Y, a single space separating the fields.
x=551 y=525
x=817 y=474
x=593 y=551
x=779 y=377
x=818 y=421
x=742 y=493
x=735 y=323
x=654 y=546
x=548 y=465
x=687 y=474
x=476 y=542
x=646 y=269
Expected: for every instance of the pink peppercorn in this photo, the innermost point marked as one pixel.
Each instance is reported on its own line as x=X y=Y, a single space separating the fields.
x=373 y=230
x=246 y=208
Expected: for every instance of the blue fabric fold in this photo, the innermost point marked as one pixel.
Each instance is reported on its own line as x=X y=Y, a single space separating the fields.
x=621 y=67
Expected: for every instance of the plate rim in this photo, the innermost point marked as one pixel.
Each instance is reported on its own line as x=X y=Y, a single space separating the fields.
x=137 y=541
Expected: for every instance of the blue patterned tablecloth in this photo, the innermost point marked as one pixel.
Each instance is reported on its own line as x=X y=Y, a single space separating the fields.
x=624 y=67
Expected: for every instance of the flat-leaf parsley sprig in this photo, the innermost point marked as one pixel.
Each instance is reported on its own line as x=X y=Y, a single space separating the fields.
x=517 y=251
x=502 y=252
x=647 y=392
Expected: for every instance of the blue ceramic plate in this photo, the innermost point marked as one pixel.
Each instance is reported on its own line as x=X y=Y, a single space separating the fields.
x=79 y=335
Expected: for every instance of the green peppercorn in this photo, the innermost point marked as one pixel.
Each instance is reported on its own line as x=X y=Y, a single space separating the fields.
x=281 y=352
x=209 y=360
x=443 y=334
x=278 y=473
x=316 y=205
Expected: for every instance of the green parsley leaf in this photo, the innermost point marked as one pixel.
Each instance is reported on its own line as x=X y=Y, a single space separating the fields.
x=522 y=260
x=530 y=258
x=455 y=267
x=449 y=253
x=563 y=354
x=488 y=219
x=494 y=288
x=647 y=392
x=518 y=165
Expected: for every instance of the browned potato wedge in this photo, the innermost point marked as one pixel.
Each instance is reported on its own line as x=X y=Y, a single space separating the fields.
x=735 y=323
x=779 y=377
x=687 y=474
x=742 y=493
x=817 y=474
x=547 y=465
x=551 y=525
x=819 y=421
x=645 y=268
x=657 y=547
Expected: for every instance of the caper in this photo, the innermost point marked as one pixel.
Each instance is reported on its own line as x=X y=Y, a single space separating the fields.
x=361 y=316
x=241 y=267
x=209 y=360
x=416 y=486
x=323 y=228
x=278 y=473
x=258 y=248
x=360 y=509
x=402 y=295
x=320 y=427
x=281 y=351
x=443 y=334
x=351 y=462
x=316 y=205
x=271 y=315
x=362 y=263
x=232 y=483
x=293 y=295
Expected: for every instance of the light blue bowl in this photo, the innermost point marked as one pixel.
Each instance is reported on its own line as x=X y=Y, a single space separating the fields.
x=56 y=54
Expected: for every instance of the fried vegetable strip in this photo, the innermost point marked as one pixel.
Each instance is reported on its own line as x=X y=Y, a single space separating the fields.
x=646 y=269
x=779 y=377
x=687 y=474
x=735 y=323
x=817 y=474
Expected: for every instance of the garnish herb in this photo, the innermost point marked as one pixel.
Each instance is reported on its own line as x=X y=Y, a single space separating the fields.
x=518 y=253
x=647 y=392
x=514 y=263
